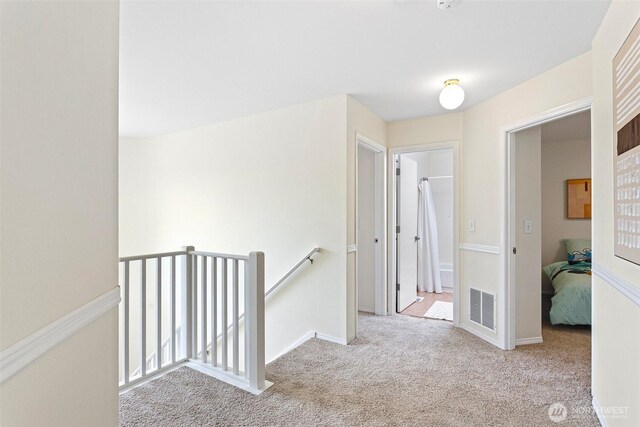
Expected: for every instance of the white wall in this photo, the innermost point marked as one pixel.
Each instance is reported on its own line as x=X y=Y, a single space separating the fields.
x=615 y=332
x=527 y=269
x=58 y=183
x=366 y=229
x=482 y=165
x=425 y=130
x=274 y=182
x=483 y=170
x=561 y=160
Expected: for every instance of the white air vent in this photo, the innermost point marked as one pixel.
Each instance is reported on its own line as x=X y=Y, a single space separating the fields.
x=482 y=308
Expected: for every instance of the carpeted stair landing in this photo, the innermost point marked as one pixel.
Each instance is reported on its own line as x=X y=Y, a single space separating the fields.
x=400 y=371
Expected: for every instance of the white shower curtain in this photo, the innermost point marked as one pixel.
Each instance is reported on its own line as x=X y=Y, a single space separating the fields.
x=428 y=256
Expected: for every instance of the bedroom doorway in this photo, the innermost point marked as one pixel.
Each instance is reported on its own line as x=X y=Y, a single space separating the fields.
x=547 y=214
x=424 y=232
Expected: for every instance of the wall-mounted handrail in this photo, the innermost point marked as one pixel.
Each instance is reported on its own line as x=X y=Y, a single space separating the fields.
x=290 y=272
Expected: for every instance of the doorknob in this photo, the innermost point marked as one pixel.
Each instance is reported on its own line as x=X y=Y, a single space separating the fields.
x=375 y=240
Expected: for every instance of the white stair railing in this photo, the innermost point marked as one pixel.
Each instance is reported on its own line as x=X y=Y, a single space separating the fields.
x=307 y=257
x=211 y=289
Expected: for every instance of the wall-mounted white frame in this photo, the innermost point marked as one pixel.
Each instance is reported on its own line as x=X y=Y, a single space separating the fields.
x=507 y=295
x=392 y=213
x=380 y=152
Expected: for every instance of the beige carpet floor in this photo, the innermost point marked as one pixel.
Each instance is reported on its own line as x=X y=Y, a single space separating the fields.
x=401 y=371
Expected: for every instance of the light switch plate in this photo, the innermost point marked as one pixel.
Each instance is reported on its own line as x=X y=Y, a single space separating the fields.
x=472 y=225
x=528 y=226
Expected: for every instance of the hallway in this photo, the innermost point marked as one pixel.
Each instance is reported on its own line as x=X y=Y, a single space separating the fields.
x=400 y=371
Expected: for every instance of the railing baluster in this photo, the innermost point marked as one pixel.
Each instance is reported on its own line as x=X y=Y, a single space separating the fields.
x=126 y=322
x=236 y=315
x=172 y=303
x=159 y=314
x=194 y=301
x=143 y=317
x=245 y=287
x=187 y=291
x=223 y=313
x=214 y=312
x=203 y=309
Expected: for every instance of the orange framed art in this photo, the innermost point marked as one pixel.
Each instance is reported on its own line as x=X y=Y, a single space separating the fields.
x=579 y=198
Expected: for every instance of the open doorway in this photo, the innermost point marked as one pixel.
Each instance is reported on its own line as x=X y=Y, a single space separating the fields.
x=550 y=229
x=424 y=246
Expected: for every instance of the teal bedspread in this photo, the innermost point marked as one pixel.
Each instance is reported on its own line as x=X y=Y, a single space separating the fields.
x=571 y=304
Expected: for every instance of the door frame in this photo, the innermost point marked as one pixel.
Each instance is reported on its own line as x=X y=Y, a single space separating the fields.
x=392 y=215
x=507 y=292
x=380 y=152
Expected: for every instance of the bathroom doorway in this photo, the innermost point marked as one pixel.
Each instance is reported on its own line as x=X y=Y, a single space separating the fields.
x=425 y=231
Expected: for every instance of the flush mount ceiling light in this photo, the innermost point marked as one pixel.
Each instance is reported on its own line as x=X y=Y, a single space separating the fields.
x=452 y=94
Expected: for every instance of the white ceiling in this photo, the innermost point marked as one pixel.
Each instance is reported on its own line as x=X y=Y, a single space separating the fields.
x=572 y=128
x=186 y=64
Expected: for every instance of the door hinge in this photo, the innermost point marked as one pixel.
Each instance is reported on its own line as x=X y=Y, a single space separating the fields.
x=397 y=229
x=514 y=250
x=397 y=171
x=397 y=286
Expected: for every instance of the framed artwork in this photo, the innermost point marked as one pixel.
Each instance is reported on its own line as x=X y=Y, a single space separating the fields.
x=579 y=198
x=626 y=156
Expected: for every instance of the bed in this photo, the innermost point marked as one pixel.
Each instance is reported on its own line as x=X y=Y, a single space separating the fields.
x=571 y=280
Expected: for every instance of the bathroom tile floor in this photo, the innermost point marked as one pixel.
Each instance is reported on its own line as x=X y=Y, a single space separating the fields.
x=419 y=308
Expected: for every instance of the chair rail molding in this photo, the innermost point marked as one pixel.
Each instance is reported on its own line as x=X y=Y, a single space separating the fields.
x=623 y=286
x=487 y=249
x=22 y=353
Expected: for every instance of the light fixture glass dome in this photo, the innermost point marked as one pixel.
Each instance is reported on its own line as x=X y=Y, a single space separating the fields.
x=452 y=95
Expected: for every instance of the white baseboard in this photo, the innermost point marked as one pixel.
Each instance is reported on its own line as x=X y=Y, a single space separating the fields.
x=482 y=335
x=329 y=338
x=598 y=410
x=297 y=343
x=22 y=353
x=305 y=338
x=526 y=341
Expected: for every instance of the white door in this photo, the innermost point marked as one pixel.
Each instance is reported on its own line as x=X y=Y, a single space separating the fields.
x=407 y=263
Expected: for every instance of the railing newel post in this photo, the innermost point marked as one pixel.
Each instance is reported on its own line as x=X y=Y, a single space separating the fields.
x=254 y=323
